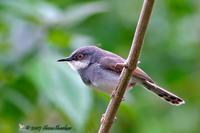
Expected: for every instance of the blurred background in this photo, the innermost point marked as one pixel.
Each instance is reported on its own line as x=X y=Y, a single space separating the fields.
x=37 y=90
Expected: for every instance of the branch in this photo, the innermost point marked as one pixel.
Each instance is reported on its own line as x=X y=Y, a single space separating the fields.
x=131 y=62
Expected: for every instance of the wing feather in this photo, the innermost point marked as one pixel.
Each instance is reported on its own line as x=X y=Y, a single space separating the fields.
x=110 y=63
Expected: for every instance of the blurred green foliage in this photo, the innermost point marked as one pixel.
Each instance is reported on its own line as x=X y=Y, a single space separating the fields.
x=36 y=90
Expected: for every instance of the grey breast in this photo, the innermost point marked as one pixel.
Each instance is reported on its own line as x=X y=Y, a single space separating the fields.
x=102 y=79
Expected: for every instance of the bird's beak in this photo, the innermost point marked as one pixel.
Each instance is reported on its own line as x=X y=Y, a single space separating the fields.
x=66 y=59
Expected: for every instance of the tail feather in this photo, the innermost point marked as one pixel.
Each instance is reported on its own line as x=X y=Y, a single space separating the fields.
x=164 y=94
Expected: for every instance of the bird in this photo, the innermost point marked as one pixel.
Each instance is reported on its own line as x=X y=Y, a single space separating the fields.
x=101 y=69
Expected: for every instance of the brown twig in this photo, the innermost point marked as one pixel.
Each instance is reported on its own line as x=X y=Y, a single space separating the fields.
x=131 y=62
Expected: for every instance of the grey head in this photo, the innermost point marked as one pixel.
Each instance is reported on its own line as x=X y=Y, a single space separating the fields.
x=82 y=57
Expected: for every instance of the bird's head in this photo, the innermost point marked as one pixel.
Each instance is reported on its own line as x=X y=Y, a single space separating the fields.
x=81 y=57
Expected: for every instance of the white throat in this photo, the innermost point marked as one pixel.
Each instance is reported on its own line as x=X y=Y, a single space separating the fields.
x=76 y=65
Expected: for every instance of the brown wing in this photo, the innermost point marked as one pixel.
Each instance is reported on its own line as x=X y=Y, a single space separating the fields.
x=111 y=62
x=115 y=64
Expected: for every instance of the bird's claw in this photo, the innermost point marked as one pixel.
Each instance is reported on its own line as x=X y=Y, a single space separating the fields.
x=121 y=65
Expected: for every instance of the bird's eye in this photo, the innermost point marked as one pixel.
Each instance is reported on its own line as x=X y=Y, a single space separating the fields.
x=79 y=56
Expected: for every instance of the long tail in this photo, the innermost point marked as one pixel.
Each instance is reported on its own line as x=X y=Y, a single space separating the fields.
x=162 y=93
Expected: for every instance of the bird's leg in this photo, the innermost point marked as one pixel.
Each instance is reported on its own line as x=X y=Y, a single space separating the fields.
x=120 y=66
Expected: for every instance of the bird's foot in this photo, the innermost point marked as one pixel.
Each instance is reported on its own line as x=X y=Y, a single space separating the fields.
x=120 y=66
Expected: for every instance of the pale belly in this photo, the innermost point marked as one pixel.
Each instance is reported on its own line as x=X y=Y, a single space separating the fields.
x=106 y=80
